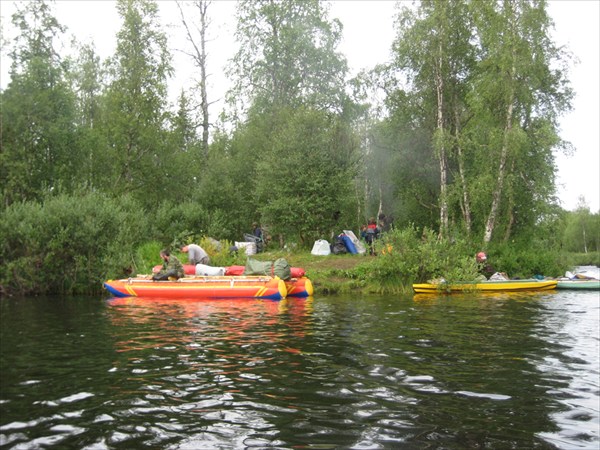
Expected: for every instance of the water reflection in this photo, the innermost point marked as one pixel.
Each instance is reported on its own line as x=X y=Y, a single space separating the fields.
x=570 y=324
x=233 y=322
x=468 y=371
x=222 y=365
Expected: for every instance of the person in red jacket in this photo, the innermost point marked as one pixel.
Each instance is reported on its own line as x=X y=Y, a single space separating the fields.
x=371 y=234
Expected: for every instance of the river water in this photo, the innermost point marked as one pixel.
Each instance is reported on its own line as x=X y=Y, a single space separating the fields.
x=417 y=372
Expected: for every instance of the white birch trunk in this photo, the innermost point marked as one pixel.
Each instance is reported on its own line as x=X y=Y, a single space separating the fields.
x=442 y=148
x=497 y=193
x=466 y=206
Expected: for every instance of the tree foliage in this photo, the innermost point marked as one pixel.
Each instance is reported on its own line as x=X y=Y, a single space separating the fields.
x=297 y=146
x=135 y=115
x=582 y=231
x=307 y=170
x=38 y=112
x=287 y=55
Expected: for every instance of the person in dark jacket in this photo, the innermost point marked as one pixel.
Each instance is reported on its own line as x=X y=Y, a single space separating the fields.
x=385 y=223
x=172 y=267
x=257 y=232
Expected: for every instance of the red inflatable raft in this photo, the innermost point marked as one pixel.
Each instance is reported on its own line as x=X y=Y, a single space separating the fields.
x=297 y=286
x=200 y=287
x=206 y=287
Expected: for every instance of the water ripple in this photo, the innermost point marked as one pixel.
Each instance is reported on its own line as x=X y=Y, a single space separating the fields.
x=369 y=372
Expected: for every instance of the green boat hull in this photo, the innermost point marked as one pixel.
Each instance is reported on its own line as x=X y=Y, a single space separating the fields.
x=589 y=285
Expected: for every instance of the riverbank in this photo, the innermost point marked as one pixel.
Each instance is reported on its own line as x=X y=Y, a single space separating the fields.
x=334 y=274
x=365 y=274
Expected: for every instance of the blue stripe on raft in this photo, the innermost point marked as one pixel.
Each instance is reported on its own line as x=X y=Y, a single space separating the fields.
x=276 y=296
x=115 y=292
x=299 y=294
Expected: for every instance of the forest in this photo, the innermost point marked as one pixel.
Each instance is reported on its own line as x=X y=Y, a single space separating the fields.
x=453 y=139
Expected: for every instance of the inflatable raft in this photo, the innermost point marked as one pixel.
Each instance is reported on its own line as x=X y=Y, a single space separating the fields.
x=207 y=287
x=589 y=285
x=299 y=287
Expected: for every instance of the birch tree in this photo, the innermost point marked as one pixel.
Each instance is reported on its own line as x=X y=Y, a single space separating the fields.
x=433 y=49
x=487 y=83
x=518 y=94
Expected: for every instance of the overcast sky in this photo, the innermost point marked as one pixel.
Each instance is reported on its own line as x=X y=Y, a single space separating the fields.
x=368 y=33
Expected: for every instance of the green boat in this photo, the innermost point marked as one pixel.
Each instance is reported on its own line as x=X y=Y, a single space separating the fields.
x=589 y=285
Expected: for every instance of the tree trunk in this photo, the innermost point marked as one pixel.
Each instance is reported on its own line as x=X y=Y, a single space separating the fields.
x=199 y=57
x=441 y=146
x=511 y=222
x=466 y=202
x=511 y=213
x=202 y=8
x=497 y=193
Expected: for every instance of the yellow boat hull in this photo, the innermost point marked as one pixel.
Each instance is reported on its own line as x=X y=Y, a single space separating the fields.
x=486 y=286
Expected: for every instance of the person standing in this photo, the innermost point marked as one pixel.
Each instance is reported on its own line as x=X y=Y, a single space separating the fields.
x=371 y=234
x=385 y=223
x=257 y=232
x=196 y=254
x=172 y=267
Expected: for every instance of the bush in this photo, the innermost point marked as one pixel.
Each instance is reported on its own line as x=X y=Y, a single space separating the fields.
x=68 y=244
x=408 y=256
x=147 y=256
x=525 y=261
x=174 y=224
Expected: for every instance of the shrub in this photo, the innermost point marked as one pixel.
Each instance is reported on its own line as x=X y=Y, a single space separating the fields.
x=68 y=244
x=174 y=224
x=407 y=256
x=526 y=260
x=147 y=256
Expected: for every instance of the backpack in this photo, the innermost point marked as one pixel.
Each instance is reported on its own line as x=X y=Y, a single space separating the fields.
x=338 y=247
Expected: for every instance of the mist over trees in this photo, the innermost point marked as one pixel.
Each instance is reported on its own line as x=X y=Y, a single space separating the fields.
x=462 y=141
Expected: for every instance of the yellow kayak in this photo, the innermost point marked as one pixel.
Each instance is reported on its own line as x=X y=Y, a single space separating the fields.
x=486 y=286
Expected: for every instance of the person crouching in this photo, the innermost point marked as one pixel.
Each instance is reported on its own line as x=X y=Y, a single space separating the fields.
x=172 y=268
